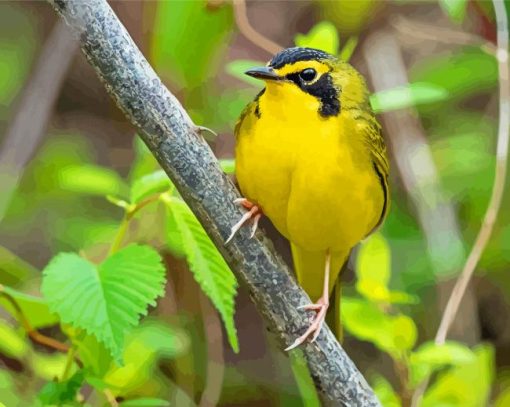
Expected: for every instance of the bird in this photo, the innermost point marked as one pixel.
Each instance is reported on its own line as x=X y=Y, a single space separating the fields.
x=310 y=156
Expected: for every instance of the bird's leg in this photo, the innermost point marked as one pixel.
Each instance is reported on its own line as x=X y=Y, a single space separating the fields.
x=254 y=212
x=321 y=306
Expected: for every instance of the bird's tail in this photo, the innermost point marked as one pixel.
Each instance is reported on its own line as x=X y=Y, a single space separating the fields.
x=309 y=268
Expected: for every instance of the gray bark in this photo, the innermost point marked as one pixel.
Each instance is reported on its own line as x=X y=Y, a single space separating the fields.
x=177 y=144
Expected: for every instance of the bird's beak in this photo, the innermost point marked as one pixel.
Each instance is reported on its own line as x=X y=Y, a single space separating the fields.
x=263 y=72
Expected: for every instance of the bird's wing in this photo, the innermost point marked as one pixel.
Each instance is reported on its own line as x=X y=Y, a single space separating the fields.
x=372 y=134
x=251 y=108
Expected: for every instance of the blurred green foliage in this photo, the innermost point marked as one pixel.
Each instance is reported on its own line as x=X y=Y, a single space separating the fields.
x=101 y=267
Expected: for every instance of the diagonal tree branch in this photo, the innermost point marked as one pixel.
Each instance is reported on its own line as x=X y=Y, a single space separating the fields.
x=175 y=141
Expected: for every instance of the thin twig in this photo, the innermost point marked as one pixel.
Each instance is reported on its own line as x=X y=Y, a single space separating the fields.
x=28 y=125
x=215 y=361
x=494 y=205
x=241 y=17
x=173 y=138
x=32 y=333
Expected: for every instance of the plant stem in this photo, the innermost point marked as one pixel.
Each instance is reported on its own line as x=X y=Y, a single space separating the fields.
x=69 y=363
x=121 y=233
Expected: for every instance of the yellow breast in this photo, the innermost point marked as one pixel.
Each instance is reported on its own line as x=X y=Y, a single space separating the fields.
x=312 y=176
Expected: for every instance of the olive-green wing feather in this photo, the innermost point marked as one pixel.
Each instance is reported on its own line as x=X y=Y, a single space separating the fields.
x=372 y=134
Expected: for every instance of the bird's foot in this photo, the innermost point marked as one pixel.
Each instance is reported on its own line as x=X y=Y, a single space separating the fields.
x=254 y=213
x=320 y=307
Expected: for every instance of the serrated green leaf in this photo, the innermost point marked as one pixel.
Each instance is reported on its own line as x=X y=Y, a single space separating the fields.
x=150 y=184
x=60 y=393
x=323 y=36
x=208 y=266
x=238 y=68
x=414 y=94
x=35 y=309
x=90 y=179
x=105 y=300
x=456 y=9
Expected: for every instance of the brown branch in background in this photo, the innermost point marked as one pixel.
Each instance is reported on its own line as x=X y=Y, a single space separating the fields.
x=215 y=361
x=436 y=33
x=241 y=17
x=33 y=112
x=32 y=333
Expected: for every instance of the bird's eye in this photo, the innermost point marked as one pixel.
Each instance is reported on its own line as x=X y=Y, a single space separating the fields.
x=308 y=74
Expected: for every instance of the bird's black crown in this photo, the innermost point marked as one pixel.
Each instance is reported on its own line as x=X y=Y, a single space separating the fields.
x=295 y=54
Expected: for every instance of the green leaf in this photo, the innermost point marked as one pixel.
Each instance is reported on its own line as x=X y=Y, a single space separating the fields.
x=373 y=268
x=430 y=357
x=348 y=49
x=57 y=393
x=468 y=385
x=238 y=68
x=90 y=179
x=456 y=9
x=150 y=184
x=385 y=393
x=414 y=94
x=14 y=270
x=35 y=309
x=105 y=300
x=394 y=334
x=211 y=272
x=303 y=379
x=228 y=166
x=181 y=23
x=323 y=36
x=12 y=343
x=463 y=73
x=144 y=402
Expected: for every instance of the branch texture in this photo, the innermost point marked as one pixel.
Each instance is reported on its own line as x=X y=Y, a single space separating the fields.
x=175 y=141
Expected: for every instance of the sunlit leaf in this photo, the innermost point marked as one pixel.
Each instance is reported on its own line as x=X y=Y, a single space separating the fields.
x=105 y=300
x=348 y=48
x=373 y=268
x=150 y=184
x=415 y=94
x=188 y=237
x=322 y=36
x=456 y=9
x=238 y=68
x=90 y=179
x=468 y=385
x=394 y=334
x=12 y=343
x=430 y=357
x=35 y=309
x=228 y=166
